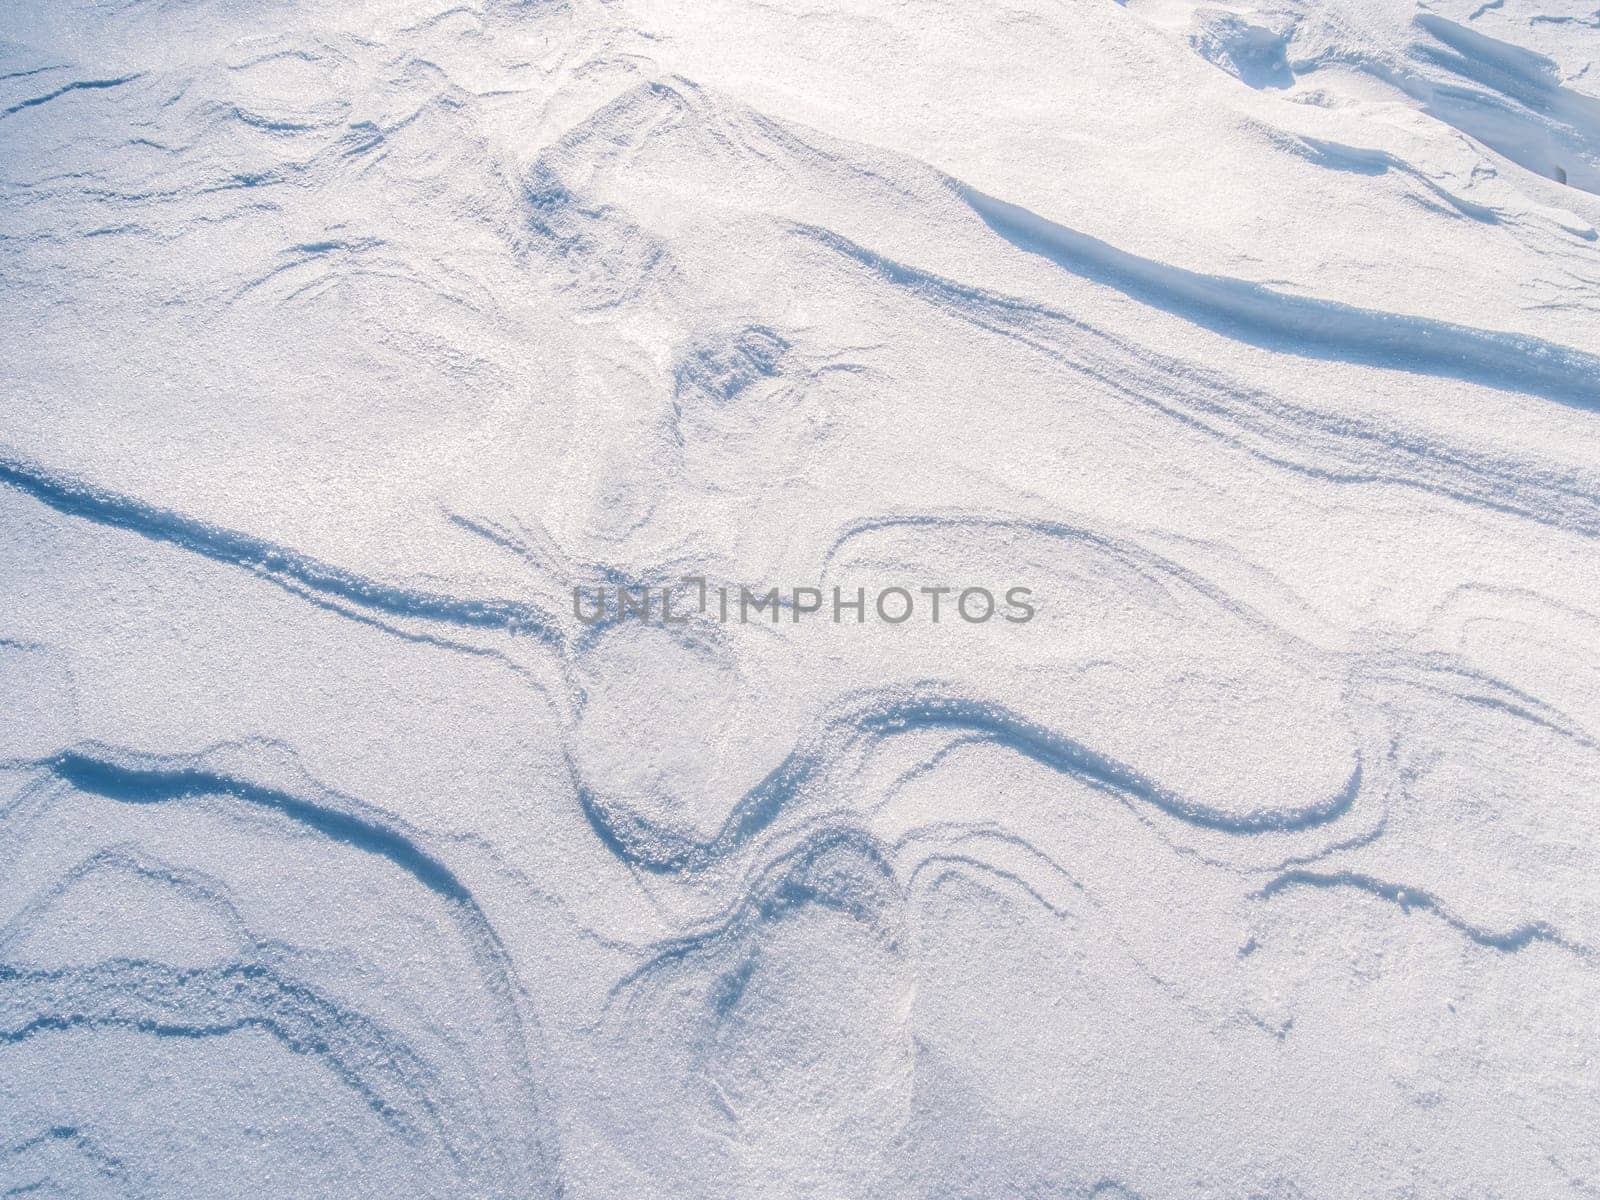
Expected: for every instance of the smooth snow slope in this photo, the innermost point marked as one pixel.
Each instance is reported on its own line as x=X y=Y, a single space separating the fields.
x=342 y=340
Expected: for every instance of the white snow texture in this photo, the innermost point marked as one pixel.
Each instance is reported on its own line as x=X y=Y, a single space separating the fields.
x=343 y=854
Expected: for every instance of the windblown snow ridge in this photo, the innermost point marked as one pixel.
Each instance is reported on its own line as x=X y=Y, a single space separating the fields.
x=643 y=843
x=286 y=567
x=1407 y=898
x=1309 y=327
x=169 y=1002
x=75 y=86
x=1319 y=445
x=138 y=781
x=155 y=784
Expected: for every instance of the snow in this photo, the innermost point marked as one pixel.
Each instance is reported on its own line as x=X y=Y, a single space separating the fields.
x=343 y=857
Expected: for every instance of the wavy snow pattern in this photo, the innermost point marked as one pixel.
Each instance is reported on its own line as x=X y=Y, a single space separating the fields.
x=163 y=1001
x=1109 y=903
x=641 y=843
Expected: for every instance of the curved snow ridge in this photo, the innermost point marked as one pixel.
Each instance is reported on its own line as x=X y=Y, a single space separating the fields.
x=132 y=779
x=1122 y=550
x=1066 y=755
x=886 y=713
x=199 y=1002
x=159 y=783
x=1522 y=111
x=126 y=861
x=945 y=836
x=729 y=1035
x=591 y=249
x=77 y=85
x=288 y=568
x=1312 y=328
x=103 y=1165
x=1407 y=898
x=1506 y=97
x=841 y=868
x=1336 y=156
x=949 y=864
x=1454 y=678
x=1320 y=446
x=430 y=1113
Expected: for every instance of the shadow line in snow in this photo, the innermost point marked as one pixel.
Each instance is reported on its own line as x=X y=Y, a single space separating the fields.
x=636 y=839
x=1310 y=328
x=1507 y=941
x=130 y=780
x=288 y=568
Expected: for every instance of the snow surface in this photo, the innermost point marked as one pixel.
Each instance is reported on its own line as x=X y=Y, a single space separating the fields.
x=340 y=341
